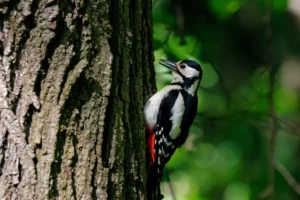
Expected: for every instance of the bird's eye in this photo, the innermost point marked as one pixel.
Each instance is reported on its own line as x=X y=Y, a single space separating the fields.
x=182 y=66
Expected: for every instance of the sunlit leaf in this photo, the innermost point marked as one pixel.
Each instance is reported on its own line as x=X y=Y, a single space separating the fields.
x=190 y=47
x=286 y=100
x=225 y=8
x=279 y=5
x=207 y=155
x=283 y=154
x=160 y=32
x=237 y=191
x=210 y=77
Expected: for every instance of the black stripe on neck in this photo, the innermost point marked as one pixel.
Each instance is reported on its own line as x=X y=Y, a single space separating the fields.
x=177 y=83
x=188 y=82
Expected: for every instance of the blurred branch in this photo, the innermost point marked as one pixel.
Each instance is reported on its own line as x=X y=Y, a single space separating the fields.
x=292 y=128
x=224 y=88
x=180 y=21
x=168 y=179
x=288 y=129
x=269 y=191
x=274 y=133
x=255 y=119
x=288 y=177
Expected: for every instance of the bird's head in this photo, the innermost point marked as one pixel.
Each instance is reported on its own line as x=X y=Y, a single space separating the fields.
x=186 y=72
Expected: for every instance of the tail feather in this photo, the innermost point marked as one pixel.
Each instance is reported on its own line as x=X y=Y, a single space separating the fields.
x=153 y=183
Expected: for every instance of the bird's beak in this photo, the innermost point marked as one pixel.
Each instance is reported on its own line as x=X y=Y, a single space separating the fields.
x=169 y=64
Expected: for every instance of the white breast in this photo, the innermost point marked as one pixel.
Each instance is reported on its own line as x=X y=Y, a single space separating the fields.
x=177 y=114
x=152 y=106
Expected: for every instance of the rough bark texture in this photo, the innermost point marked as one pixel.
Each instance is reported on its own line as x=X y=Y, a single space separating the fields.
x=74 y=75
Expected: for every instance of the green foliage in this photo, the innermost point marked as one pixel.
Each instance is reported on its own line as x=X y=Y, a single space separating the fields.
x=223 y=9
x=226 y=154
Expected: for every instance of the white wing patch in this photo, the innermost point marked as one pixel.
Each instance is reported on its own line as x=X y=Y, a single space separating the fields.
x=177 y=114
x=152 y=106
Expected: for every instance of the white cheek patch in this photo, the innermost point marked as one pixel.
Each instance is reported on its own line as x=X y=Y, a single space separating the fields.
x=189 y=72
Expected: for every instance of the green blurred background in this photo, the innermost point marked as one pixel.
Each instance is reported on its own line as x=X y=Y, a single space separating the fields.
x=239 y=48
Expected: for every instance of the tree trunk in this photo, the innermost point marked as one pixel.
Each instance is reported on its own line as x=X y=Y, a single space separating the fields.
x=73 y=80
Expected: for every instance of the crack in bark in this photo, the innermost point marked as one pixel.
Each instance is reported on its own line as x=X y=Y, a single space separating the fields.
x=56 y=164
x=3 y=150
x=8 y=6
x=20 y=174
x=109 y=121
x=73 y=164
x=53 y=44
x=76 y=39
x=93 y=179
x=28 y=121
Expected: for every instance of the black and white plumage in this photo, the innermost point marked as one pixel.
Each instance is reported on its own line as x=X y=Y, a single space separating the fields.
x=169 y=114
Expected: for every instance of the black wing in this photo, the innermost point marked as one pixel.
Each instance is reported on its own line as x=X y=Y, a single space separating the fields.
x=164 y=146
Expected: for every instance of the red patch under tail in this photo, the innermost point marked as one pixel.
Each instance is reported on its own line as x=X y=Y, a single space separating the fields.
x=150 y=144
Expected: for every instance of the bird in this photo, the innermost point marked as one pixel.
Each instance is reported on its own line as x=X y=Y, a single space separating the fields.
x=169 y=114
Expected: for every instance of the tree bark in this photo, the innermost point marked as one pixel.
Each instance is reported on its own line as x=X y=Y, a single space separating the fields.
x=74 y=76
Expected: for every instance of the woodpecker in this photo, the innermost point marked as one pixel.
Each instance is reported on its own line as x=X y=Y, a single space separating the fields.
x=169 y=114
